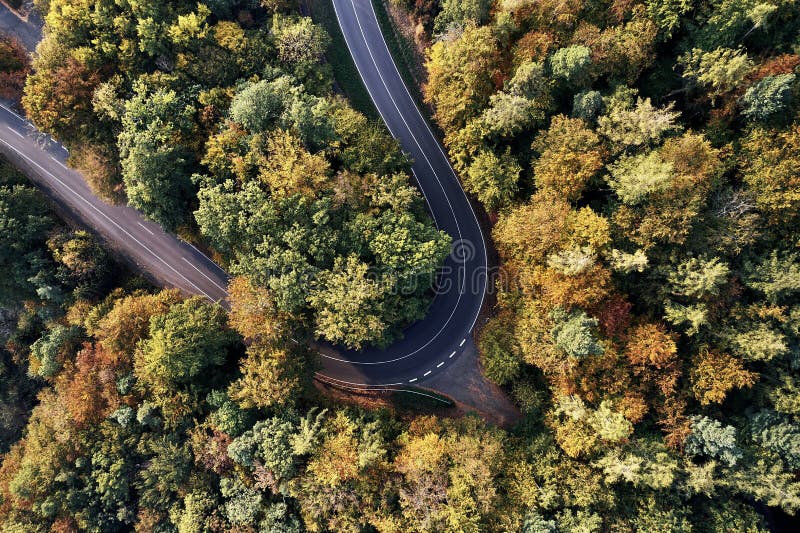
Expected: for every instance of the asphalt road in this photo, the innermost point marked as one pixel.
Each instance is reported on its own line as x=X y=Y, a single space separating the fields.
x=28 y=30
x=428 y=347
x=164 y=258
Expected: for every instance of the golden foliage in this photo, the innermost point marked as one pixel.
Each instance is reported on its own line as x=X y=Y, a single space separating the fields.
x=715 y=374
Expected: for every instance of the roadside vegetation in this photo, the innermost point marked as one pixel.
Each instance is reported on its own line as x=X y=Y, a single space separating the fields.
x=14 y=68
x=337 y=55
x=402 y=50
x=640 y=161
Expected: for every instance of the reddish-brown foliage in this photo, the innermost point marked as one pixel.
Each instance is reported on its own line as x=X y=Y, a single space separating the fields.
x=613 y=315
x=14 y=68
x=775 y=66
x=651 y=345
x=87 y=387
x=59 y=101
x=211 y=450
x=533 y=46
x=674 y=422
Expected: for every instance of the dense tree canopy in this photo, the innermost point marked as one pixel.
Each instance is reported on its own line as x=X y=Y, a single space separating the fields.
x=14 y=67
x=646 y=229
x=639 y=159
x=25 y=223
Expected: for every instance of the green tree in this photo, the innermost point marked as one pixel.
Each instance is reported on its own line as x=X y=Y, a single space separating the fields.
x=460 y=75
x=288 y=169
x=82 y=263
x=710 y=438
x=24 y=223
x=348 y=304
x=50 y=351
x=493 y=179
x=698 y=277
x=572 y=65
x=272 y=376
x=510 y=115
x=769 y=164
x=155 y=165
x=768 y=98
x=719 y=71
x=365 y=146
x=760 y=343
x=280 y=103
x=197 y=513
x=500 y=353
x=299 y=41
x=457 y=13
x=575 y=333
x=776 y=276
x=530 y=81
x=569 y=156
x=778 y=434
x=642 y=464
x=183 y=343
x=164 y=473
x=667 y=13
x=448 y=475
x=259 y=106
x=587 y=105
x=628 y=124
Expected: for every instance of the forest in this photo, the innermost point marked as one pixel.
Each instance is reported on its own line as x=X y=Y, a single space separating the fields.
x=639 y=163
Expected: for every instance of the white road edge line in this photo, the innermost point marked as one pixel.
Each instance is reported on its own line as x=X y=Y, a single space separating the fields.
x=87 y=202
x=15 y=132
x=12 y=112
x=205 y=276
x=196 y=249
x=452 y=170
x=145 y=228
x=59 y=163
x=427 y=373
x=323 y=378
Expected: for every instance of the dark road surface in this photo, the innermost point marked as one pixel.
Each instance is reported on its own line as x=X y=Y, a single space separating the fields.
x=428 y=347
x=27 y=30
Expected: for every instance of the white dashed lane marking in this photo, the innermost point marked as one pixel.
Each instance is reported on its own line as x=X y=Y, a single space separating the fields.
x=440 y=365
x=462 y=342
x=452 y=354
x=412 y=380
x=145 y=228
x=427 y=373
x=15 y=132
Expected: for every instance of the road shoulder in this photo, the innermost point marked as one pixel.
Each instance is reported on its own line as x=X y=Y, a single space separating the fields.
x=465 y=383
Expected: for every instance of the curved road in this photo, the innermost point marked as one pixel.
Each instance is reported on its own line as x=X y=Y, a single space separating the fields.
x=428 y=346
